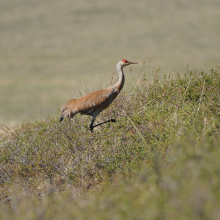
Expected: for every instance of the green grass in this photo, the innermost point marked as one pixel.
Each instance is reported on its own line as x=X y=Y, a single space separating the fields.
x=49 y=48
x=160 y=160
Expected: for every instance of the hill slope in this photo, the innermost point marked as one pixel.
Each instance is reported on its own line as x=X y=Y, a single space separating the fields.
x=160 y=160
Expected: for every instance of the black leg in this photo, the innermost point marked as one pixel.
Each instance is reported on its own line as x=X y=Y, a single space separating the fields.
x=111 y=120
x=91 y=125
x=91 y=128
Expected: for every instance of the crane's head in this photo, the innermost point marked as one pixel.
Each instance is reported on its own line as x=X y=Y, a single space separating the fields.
x=123 y=63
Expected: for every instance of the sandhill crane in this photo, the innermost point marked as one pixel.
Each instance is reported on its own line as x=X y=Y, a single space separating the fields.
x=94 y=103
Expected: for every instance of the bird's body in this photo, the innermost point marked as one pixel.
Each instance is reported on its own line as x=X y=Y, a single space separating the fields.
x=94 y=103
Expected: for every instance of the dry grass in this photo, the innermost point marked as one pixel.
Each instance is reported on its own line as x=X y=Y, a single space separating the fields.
x=160 y=160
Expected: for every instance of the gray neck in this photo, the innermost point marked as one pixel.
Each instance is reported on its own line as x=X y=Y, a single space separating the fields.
x=121 y=80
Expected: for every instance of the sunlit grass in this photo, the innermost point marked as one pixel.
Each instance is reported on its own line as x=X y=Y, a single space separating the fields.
x=159 y=160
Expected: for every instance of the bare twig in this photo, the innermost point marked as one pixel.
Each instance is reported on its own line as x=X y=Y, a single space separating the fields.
x=200 y=99
x=140 y=134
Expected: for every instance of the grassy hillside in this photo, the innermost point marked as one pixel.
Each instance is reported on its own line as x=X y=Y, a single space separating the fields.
x=160 y=160
x=50 y=48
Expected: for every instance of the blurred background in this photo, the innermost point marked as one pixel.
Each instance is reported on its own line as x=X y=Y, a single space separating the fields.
x=52 y=50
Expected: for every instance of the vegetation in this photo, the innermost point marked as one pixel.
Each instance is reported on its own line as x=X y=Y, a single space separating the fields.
x=160 y=160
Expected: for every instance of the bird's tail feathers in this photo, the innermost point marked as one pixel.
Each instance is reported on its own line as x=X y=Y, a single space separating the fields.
x=61 y=118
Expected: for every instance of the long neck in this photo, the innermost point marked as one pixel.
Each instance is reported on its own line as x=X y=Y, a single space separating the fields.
x=121 y=80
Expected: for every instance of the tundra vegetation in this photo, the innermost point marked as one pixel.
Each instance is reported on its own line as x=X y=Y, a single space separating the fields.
x=160 y=160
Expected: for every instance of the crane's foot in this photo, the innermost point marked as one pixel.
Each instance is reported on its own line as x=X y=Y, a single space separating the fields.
x=91 y=128
x=112 y=120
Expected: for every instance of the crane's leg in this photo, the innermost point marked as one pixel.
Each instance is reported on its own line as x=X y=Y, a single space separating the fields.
x=93 y=119
x=110 y=120
x=91 y=125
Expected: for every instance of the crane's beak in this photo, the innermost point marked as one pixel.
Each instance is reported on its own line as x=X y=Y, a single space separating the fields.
x=129 y=62
x=132 y=62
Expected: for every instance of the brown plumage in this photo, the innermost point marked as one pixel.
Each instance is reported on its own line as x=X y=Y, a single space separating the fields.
x=95 y=102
